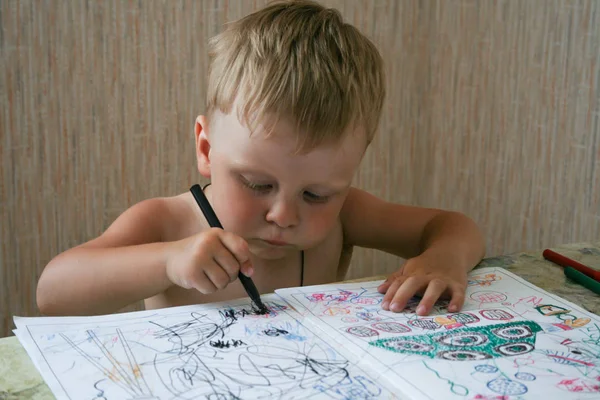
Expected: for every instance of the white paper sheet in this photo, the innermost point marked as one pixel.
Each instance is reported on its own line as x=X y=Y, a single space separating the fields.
x=511 y=339
x=215 y=351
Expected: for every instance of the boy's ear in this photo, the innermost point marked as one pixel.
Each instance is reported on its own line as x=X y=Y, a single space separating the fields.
x=202 y=146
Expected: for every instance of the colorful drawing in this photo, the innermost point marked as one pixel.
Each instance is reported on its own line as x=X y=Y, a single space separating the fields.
x=366 y=300
x=564 y=358
x=569 y=321
x=454 y=387
x=578 y=385
x=468 y=344
x=331 y=311
x=464 y=318
x=486 y=369
x=454 y=321
x=448 y=323
x=525 y=376
x=507 y=387
x=496 y=315
x=367 y=316
x=488 y=296
x=549 y=309
x=392 y=327
x=424 y=323
x=362 y=331
x=483 y=280
x=523 y=340
x=346 y=296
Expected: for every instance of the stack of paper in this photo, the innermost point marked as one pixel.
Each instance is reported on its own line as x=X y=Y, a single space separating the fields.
x=512 y=340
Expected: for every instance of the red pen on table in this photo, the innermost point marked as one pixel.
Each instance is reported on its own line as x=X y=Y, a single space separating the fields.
x=567 y=262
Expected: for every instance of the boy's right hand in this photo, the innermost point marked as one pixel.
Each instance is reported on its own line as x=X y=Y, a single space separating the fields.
x=209 y=261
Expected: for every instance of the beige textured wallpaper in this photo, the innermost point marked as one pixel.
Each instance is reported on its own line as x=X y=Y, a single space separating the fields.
x=493 y=110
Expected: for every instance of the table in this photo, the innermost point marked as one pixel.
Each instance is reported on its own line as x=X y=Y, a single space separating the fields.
x=19 y=378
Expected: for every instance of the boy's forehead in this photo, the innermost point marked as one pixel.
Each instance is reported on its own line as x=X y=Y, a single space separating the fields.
x=282 y=131
x=245 y=147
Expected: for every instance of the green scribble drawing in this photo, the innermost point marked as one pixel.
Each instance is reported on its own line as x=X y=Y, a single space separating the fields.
x=455 y=388
x=468 y=343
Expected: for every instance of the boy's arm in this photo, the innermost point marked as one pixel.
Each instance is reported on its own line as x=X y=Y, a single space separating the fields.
x=441 y=247
x=123 y=265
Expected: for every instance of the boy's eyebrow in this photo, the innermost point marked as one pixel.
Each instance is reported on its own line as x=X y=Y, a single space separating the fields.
x=247 y=168
x=338 y=186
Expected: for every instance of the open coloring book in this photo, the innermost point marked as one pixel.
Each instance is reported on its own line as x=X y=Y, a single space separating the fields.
x=512 y=340
x=214 y=351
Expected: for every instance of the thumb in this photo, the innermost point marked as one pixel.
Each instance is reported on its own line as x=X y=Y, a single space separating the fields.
x=247 y=269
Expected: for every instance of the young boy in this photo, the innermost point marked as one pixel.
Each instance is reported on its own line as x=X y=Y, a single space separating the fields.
x=294 y=99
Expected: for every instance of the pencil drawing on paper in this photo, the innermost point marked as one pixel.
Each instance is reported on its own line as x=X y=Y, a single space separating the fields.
x=227 y=353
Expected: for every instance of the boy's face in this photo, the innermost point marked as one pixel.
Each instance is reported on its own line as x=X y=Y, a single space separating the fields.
x=263 y=192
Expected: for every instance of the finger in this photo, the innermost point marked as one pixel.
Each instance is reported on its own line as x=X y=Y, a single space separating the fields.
x=391 y=291
x=239 y=248
x=384 y=287
x=217 y=276
x=204 y=285
x=457 y=299
x=227 y=262
x=410 y=287
x=433 y=292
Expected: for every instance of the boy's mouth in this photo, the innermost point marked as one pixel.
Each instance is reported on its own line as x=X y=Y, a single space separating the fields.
x=276 y=242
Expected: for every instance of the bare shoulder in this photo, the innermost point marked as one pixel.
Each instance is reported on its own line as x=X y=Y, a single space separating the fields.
x=369 y=221
x=184 y=217
x=159 y=219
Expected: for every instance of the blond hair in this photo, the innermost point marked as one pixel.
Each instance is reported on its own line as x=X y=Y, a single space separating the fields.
x=299 y=60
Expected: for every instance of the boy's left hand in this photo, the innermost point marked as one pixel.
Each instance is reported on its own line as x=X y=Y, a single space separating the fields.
x=430 y=278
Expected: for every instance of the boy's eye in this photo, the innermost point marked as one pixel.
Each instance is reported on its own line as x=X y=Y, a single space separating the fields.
x=257 y=187
x=315 y=198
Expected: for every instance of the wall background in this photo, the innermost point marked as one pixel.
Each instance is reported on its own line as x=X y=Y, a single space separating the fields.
x=493 y=110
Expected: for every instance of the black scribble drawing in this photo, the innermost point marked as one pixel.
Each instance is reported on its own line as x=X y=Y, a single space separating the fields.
x=220 y=344
x=231 y=353
x=275 y=332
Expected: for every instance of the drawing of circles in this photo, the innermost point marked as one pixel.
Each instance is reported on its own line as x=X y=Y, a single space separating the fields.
x=349 y=320
x=463 y=339
x=488 y=296
x=496 y=315
x=366 y=300
x=486 y=369
x=464 y=318
x=427 y=324
x=463 y=355
x=332 y=311
x=362 y=331
x=514 y=349
x=525 y=376
x=392 y=327
x=507 y=387
x=409 y=345
x=513 y=332
x=367 y=316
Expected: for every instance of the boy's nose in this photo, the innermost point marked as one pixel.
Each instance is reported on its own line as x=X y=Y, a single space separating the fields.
x=284 y=214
